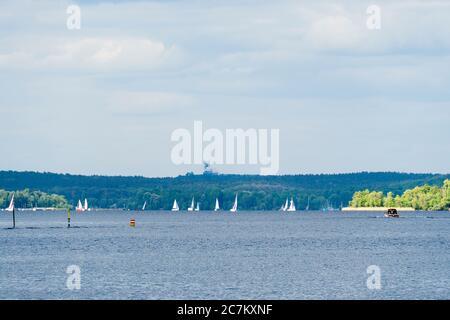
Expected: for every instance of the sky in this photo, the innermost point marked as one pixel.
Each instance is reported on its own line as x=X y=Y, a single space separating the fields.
x=105 y=98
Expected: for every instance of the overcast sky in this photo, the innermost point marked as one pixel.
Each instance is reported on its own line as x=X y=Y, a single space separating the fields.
x=105 y=99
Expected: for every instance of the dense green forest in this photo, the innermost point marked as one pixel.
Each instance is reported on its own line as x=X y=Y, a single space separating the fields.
x=420 y=198
x=255 y=192
x=33 y=199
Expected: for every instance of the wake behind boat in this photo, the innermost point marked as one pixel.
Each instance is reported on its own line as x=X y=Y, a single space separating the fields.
x=391 y=213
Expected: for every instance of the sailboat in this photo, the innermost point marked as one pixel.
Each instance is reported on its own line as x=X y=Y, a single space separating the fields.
x=11 y=205
x=284 y=207
x=197 y=208
x=11 y=208
x=217 y=207
x=235 y=205
x=175 y=206
x=307 y=206
x=329 y=207
x=79 y=207
x=86 y=207
x=291 y=206
x=191 y=208
x=143 y=207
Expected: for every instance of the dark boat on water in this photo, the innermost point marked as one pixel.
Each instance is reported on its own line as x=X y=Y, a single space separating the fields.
x=392 y=213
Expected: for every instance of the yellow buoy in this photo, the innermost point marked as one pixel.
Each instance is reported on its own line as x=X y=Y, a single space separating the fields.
x=132 y=223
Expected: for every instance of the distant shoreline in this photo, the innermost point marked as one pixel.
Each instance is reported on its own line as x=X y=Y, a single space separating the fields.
x=350 y=209
x=316 y=192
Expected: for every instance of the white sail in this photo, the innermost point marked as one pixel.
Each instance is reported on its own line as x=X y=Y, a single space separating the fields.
x=197 y=208
x=235 y=205
x=291 y=206
x=11 y=205
x=79 y=206
x=284 y=207
x=86 y=207
x=191 y=208
x=217 y=207
x=143 y=207
x=175 y=206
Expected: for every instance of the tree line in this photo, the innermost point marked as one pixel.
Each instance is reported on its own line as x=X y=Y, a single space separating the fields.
x=254 y=192
x=426 y=197
x=33 y=199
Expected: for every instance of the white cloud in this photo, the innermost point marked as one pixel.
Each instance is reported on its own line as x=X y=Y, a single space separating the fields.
x=90 y=53
x=147 y=103
x=334 y=33
x=137 y=69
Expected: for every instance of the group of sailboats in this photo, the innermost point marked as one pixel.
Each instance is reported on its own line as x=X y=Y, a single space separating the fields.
x=288 y=206
x=194 y=207
x=191 y=208
x=82 y=208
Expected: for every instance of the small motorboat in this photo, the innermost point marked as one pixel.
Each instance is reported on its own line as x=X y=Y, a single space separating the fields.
x=392 y=213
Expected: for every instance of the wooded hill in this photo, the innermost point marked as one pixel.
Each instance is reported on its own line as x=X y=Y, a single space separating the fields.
x=254 y=192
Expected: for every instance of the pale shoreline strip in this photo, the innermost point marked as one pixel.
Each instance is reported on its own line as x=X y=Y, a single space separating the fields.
x=349 y=209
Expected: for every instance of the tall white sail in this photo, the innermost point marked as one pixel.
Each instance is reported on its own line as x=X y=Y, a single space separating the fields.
x=217 y=207
x=291 y=206
x=175 y=206
x=86 y=207
x=143 y=207
x=191 y=208
x=285 y=206
x=11 y=205
x=79 y=207
x=197 y=208
x=235 y=205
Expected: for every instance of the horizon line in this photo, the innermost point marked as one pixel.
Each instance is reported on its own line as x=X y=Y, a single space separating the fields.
x=226 y=174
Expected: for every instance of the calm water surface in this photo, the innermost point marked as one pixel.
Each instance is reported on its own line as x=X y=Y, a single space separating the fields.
x=251 y=255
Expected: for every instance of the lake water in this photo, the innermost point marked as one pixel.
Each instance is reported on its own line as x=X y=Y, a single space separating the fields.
x=250 y=255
